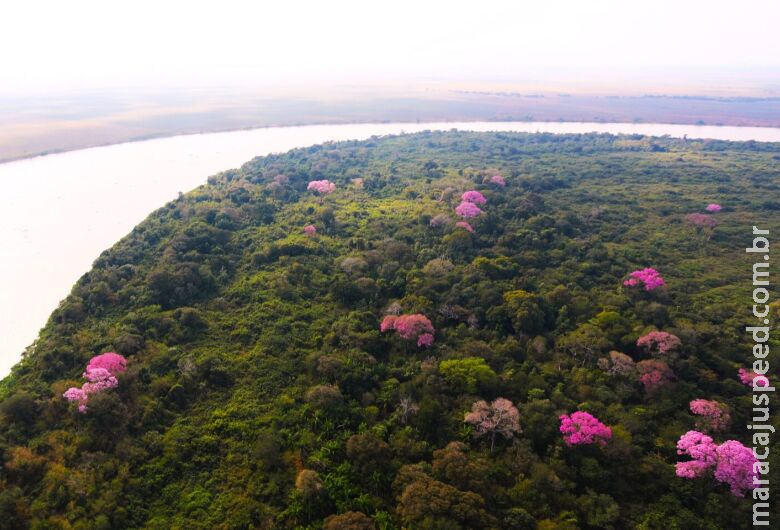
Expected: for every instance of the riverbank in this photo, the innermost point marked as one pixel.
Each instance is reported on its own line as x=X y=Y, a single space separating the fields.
x=26 y=130
x=59 y=212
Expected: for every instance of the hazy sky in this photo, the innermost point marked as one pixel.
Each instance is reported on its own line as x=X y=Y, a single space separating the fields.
x=54 y=45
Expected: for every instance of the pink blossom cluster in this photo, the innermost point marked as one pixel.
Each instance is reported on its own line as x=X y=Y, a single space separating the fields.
x=310 y=230
x=660 y=341
x=713 y=207
x=474 y=196
x=498 y=180
x=410 y=327
x=582 y=428
x=701 y=220
x=468 y=206
x=101 y=375
x=467 y=209
x=732 y=461
x=426 y=340
x=751 y=378
x=735 y=466
x=321 y=186
x=464 y=225
x=702 y=450
x=648 y=277
x=714 y=415
x=113 y=362
x=654 y=374
x=499 y=417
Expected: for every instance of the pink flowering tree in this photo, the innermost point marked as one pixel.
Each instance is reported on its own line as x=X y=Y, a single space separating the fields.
x=659 y=343
x=713 y=207
x=499 y=417
x=648 y=278
x=323 y=187
x=310 y=230
x=98 y=379
x=713 y=415
x=582 y=428
x=702 y=450
x=735 y=467
x=410 y=327
x=731 y=462
x=465 y=226
x=425 y=340
x=388 y=323
x=77 y=395
x=703 y=223
x=498 y=180
x=751 y=378
x=474 y=197
x=654 y=374
x=113 y=362
x=701 y=220
x=101 y=375
x=467 y=209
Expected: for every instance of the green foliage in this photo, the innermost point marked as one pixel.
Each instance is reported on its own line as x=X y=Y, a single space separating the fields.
x=525 y=311
x=261 y=394
x=468 y=375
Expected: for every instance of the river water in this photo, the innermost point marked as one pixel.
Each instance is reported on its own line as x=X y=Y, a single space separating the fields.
x=58 y=212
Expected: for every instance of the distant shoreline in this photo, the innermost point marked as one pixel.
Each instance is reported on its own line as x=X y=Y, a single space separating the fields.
x=160 y=136
x=30 y=128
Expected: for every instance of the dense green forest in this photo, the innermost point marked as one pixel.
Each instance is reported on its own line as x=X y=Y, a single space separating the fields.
x=260 y=391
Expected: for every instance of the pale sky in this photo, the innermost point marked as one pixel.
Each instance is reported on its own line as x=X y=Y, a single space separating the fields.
x=50 y=46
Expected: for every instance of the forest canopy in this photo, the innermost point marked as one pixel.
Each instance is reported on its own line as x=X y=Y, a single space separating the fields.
x=444 y=330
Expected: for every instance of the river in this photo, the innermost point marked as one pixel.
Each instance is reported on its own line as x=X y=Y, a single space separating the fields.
x=58 y=212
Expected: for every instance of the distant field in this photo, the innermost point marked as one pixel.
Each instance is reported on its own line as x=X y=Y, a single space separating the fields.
x=34 y=126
